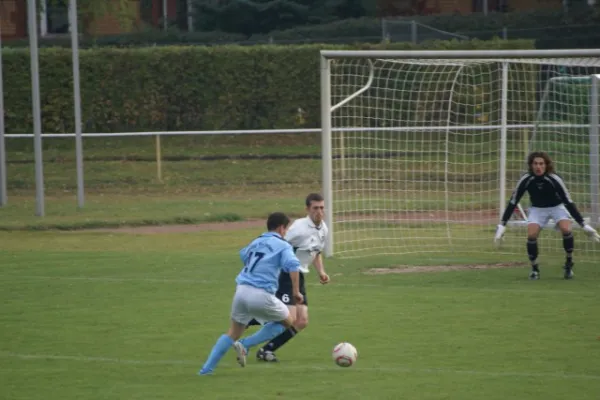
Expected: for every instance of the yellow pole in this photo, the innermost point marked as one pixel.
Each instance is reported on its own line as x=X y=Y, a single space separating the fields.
x=158 y=160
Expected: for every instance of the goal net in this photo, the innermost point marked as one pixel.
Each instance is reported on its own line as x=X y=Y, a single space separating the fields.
x=421 y=150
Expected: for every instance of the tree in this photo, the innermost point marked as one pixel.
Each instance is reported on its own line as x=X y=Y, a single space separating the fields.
x=262 y=16
x=250 y=17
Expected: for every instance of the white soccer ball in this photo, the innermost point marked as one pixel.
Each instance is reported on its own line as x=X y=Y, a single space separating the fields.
x=344 y=354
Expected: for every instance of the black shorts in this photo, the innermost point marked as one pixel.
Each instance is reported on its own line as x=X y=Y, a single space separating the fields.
x=284 y=292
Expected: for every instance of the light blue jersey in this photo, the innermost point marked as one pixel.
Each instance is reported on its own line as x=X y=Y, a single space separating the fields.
x=263 y=259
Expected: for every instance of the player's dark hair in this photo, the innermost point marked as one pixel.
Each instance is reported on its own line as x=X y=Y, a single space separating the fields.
x=540 y=154
x=313 y=197
x=276 y=220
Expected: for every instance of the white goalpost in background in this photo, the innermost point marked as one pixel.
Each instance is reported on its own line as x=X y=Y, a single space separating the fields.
x=422 y=149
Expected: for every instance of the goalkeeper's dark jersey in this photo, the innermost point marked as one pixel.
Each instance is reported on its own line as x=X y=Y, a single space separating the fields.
x=545 y=191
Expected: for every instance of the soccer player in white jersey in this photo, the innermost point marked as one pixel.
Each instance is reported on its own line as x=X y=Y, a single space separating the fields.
x=307 y=235
x=264 y=258
x=550 y=199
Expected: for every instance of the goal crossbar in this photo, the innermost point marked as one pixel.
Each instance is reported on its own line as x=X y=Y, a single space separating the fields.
x=460 y=54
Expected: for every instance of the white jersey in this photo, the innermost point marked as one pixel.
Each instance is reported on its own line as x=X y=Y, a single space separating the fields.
x=307 y=239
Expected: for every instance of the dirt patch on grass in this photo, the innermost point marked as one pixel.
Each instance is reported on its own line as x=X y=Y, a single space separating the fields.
x=409 y=269
x=468 y=217
x=209 y=226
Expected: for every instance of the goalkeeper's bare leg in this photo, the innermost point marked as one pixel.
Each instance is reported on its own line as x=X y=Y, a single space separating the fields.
x=564 y=225
x=533 y=231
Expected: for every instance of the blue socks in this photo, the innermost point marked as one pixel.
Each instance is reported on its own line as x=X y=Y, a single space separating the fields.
x=267 y=332
x=218 y=351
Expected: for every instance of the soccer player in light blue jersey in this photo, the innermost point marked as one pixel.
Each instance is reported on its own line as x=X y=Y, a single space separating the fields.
x=264 y=258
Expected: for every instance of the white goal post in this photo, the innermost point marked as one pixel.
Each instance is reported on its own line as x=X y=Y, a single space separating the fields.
x=421 y=149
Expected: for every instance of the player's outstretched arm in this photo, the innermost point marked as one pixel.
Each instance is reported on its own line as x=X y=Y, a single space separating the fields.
x=565 y=197
x=501 y=227
x=510 y=208
x=318 y=264
x=588 y=229
x=291 y=265
x=295 y=278
x=591 y=232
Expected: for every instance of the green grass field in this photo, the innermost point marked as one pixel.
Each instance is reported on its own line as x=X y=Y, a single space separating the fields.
x=112 y=315
x=96 y=316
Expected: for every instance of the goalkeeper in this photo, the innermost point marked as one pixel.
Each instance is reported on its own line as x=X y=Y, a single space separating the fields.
x=550 y=199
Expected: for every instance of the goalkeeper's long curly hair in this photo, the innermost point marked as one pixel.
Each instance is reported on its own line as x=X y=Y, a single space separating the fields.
x=540 y=154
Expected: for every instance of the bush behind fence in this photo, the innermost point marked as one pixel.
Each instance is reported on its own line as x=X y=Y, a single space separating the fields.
x=181 y=88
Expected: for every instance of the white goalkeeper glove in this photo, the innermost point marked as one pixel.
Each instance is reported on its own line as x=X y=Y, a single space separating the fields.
x=499 y=233
x=591 y=232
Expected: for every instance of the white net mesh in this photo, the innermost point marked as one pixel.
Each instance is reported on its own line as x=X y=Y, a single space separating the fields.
x=416 y=156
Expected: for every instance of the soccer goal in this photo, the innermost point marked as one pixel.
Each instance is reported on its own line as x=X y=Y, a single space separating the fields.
x=422 y=149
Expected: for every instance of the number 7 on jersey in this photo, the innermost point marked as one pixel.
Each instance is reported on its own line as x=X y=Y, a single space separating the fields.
x=253 y=259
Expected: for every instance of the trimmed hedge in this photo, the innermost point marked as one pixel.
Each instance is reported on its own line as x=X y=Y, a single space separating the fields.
x=180 y=88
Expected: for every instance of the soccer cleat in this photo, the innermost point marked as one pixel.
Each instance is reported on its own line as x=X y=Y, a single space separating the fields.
x=241 y=353
x=569 y=270
x=266 y=355
x=534 y=274
x=205 y=371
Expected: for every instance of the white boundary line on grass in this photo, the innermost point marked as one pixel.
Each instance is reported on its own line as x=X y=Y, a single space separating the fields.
x=7 y=278
x=109 y=279
x=394 y=369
